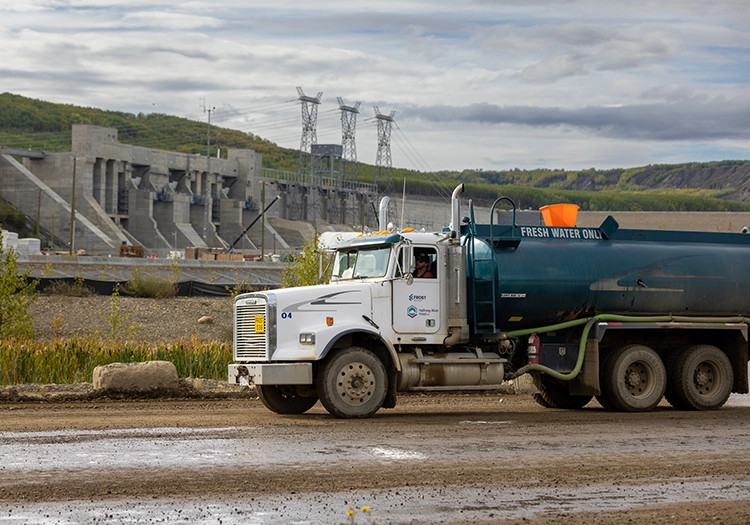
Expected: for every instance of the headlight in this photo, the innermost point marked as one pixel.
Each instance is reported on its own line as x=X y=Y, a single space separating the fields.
x=307 y=339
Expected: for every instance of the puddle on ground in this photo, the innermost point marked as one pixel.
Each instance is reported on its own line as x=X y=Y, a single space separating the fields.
x=396 y=505
x=739 y=400
x=176 y=448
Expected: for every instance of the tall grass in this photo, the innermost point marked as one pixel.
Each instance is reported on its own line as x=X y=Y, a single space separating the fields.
x=151 y=286
x=73 y=359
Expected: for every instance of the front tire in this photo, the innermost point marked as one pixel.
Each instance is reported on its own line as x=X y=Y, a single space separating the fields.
x=634 y=379
x=702 y=379
x=352 y=383
x=284 y=399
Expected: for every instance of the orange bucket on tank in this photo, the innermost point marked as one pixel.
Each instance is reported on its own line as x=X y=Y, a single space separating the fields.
x=560 y=214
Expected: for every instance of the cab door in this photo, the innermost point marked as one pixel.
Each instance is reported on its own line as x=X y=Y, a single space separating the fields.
x=416 y=308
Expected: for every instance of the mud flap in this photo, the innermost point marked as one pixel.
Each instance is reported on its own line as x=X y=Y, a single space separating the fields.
x=390 y=396
x=587 y=382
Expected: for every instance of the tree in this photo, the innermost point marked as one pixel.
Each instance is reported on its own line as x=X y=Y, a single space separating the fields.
x=17 y=294
x=311 y=266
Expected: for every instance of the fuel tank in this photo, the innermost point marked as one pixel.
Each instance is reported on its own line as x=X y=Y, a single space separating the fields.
x=544 y=275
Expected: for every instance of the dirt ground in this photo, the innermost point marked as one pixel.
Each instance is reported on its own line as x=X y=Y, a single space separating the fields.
x=163 y=319
x=70 y=455
x=493 y=445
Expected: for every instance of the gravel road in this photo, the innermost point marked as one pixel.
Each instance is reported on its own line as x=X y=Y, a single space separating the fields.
x=454 y=459
x=218 y=456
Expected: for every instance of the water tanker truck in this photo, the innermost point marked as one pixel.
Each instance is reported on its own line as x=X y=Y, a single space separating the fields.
x=628 y=316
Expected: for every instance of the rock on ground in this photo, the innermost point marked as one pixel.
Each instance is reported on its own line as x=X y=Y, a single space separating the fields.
x=149 y=376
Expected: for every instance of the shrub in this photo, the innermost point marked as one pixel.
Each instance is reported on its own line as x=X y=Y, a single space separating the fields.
x=17 y=294
x=311 y=266
x=74 y=288
x=150 y=286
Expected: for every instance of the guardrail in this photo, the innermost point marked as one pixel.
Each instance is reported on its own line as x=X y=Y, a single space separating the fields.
x=318 y=180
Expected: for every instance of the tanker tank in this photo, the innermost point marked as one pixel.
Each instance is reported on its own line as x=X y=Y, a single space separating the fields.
x=545 y=275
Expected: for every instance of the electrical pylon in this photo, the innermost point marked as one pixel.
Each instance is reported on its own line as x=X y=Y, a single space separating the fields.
x=383 y=173
x=309 y=135
x=348 y=142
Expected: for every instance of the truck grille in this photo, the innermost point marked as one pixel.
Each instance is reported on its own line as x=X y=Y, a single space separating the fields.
x=251 y=328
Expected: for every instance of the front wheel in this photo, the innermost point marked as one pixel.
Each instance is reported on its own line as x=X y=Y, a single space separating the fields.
x=352 y=383
x=634 y=379
x=284 y=399
x=702 y=378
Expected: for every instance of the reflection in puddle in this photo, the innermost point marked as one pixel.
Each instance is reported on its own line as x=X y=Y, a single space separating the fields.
x=395 y=505
x=393 y=453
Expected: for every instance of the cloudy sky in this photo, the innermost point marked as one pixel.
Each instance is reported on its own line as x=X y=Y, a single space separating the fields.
x=474 y=83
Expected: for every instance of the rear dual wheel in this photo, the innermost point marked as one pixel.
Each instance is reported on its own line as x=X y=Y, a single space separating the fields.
x=633 y=379
x=700 y=378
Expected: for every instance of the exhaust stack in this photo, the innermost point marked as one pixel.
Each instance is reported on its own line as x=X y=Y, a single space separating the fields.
x=456 y=210
x=383 y=219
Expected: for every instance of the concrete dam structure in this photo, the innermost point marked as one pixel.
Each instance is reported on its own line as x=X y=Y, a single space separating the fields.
x=165 y=200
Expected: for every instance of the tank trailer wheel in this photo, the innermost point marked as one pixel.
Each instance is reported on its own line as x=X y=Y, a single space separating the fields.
x=634 y=379
x=284 y=399
x=541 y=400
x=352 y=383
x=702 y=378
x=554 y=395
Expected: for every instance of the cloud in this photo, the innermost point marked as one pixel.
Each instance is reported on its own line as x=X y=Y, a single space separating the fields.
x=169 y=20
x=551 y=52
x=584 y=82
x=689 y=119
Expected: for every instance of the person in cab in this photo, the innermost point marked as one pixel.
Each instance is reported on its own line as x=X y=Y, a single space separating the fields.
x=422 y=267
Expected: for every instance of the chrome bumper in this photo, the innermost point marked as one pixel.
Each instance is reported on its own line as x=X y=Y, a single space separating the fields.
x=271 y=374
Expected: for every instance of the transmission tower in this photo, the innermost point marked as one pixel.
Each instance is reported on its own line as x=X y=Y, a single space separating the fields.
x=348 y=143
x=309 y=122
x=383 y=173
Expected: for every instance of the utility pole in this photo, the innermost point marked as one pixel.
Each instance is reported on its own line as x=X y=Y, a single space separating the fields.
x=73 y=210
x=38 y=213
x=207 y=189
x=262 y=220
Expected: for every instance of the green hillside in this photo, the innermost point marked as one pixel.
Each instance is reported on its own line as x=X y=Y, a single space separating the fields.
x=40 y=125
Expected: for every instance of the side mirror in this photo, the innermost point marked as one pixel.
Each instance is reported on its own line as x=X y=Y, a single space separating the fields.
x=409 y=279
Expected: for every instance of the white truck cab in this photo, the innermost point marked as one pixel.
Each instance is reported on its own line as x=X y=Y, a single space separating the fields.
x=362 y=325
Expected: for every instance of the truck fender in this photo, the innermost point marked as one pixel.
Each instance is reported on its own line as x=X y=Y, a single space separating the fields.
x=363 y=331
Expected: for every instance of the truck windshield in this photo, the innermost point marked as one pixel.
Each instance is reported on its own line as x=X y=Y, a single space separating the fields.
x=362 y=262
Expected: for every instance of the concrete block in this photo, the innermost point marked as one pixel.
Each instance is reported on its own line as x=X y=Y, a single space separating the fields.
x=136 y=377
x=10 y=240
x=29 y=246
